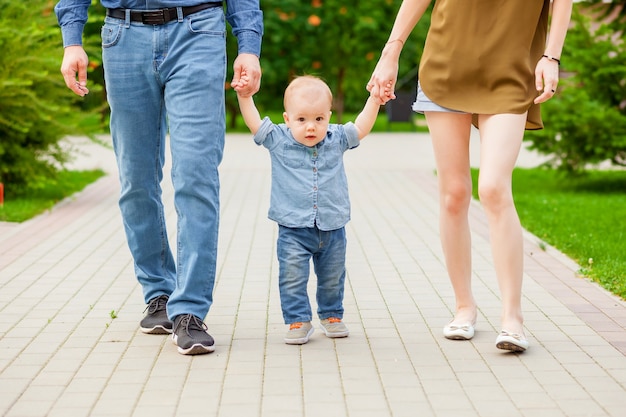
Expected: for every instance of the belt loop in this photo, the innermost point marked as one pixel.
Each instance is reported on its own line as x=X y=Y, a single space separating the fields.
x=127 y=18
x=179 y=11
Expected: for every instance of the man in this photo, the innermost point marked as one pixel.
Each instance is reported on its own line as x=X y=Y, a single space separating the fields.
x=165 y=69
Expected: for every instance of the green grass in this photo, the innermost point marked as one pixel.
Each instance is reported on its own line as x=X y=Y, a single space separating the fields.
x=583 y=217
x=21 y=206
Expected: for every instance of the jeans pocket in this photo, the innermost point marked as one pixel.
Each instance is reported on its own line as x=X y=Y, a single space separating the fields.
x=209 y=22
x=110 y=33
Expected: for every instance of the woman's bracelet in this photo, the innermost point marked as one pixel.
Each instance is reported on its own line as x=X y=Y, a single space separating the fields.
x=396 y=40
x=555 y=59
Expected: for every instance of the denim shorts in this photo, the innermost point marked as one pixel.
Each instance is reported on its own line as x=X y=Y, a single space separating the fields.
x=423 y=103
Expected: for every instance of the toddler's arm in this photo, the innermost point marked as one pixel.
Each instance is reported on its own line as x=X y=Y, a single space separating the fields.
x=250 y=114
x=366 y=119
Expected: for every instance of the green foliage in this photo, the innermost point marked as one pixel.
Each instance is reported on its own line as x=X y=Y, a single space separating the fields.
x=339 y=41
x=36 y=108
x=615 y=10
x=586 y=122
x=581 y=216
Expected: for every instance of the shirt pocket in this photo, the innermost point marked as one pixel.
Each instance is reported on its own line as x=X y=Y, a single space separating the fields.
x=330 y=158
x=294 y=156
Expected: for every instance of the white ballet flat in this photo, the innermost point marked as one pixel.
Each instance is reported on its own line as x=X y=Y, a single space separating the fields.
x=459 y=331
x=511 y=341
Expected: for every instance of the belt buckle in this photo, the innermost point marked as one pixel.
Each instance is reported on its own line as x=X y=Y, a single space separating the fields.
x=153 y=17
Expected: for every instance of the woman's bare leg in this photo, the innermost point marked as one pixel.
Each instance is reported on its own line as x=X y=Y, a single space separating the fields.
x=450 y=133
x=501 y=138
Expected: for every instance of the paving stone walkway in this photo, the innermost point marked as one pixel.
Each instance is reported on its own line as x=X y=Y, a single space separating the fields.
x=70 y=345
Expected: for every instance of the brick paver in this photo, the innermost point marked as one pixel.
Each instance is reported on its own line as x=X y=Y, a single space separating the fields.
x=70 y=308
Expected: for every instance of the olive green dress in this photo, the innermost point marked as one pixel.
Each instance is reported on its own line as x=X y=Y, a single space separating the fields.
x=480 y=56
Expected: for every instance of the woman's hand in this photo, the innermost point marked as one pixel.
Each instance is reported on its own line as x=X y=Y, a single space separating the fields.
x=383 y=80
x=546 y=78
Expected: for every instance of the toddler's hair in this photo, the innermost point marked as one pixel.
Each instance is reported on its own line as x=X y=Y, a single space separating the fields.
x=308 y=83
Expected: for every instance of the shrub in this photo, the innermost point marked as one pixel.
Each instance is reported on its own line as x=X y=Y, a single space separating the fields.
x=585 y=123
x=36 y=108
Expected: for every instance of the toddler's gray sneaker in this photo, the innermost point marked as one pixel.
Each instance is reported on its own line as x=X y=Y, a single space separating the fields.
x=334 y=327
x=299 y=333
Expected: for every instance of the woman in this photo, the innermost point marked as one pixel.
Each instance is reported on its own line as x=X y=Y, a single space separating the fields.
x=485 y=62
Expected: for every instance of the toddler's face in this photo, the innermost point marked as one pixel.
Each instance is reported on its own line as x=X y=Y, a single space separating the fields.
x=308 y=118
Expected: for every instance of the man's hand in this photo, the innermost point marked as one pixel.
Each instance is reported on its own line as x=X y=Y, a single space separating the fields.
x=75 y=63
x=246 y=65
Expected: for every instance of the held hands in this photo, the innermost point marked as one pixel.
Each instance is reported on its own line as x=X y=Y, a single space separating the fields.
x=247 y=77
x=546 y=78
x=242 y=83
x=380 y=92
x=75 y=63
x=245 y=84
x=383 y=81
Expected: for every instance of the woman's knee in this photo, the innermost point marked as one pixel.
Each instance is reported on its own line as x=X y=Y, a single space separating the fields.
x=494 y=195
x=456 y=198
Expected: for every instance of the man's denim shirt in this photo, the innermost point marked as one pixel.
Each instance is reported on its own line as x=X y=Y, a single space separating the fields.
x=309 y=184
x=244 y=16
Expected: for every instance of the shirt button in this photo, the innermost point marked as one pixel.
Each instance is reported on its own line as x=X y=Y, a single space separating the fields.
x=314 y=188
x=314 y=169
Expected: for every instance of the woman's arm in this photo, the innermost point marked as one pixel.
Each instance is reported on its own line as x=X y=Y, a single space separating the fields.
x=547 y=69
x=559 y=23
x=383 y=80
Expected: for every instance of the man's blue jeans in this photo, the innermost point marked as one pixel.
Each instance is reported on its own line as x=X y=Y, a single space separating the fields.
x=162 y=76
x=296 y=247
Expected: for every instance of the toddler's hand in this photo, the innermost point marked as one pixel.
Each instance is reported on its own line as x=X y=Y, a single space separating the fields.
x=387 y=91
x=243 y=81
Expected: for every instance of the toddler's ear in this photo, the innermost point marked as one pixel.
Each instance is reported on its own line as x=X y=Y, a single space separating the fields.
x=286 y=118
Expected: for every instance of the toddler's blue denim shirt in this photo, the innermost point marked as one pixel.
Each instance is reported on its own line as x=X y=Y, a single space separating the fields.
x=309 y=184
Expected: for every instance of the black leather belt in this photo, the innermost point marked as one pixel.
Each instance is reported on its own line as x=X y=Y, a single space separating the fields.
x=159 y=16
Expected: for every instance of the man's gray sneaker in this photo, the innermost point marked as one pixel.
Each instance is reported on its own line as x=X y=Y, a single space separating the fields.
x=156 y=321
x=299 y=333
x=334 y=327
x=191 y=336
